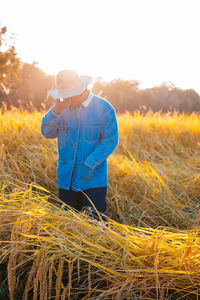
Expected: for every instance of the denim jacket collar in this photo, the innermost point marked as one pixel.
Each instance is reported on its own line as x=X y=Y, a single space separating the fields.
x=88 y=100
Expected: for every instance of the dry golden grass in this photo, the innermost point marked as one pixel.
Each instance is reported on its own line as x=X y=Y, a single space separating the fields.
x=122 y=261
x=154 y=183
x=26 y=156
x=155 y=172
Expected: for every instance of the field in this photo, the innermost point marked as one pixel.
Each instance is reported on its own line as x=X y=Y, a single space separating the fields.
x=148 y=248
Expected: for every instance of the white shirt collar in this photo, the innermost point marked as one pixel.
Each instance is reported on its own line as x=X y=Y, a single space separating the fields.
x=88 y=100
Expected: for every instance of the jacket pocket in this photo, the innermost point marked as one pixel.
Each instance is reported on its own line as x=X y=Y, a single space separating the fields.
x=86 y=173
x=91 y=133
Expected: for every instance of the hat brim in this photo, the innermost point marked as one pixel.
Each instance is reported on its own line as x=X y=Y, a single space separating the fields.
x=80 y=86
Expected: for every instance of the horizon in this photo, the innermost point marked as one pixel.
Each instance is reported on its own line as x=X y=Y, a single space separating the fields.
x=151 y=42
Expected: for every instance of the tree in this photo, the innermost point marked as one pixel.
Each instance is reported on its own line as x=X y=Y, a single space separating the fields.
x=33 y=87
x=121 y=93
x=9 y=63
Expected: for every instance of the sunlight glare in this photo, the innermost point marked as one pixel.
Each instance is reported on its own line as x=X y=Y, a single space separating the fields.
x=149 y=41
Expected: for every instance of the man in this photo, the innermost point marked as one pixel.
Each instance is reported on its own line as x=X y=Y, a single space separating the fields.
x=86 y=129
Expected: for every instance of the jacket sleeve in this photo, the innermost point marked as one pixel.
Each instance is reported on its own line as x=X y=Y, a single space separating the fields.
x=50 y=125
x=108 y=143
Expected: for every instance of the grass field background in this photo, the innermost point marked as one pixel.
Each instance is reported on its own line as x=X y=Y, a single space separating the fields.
x=150 y=246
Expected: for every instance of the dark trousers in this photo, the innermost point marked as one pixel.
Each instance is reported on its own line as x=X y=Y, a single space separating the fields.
x=79 y=200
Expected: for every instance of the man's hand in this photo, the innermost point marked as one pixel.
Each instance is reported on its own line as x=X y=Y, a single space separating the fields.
x=59 y=106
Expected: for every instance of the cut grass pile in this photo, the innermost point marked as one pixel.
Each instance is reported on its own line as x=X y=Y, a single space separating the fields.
x=119 y=261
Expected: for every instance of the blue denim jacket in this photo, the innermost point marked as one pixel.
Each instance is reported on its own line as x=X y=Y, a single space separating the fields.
x=86 y=136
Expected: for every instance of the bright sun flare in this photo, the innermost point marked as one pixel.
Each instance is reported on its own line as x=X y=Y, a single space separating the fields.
x=150 y=41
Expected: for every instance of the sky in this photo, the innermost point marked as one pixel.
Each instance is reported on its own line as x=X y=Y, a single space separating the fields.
x=151 y=41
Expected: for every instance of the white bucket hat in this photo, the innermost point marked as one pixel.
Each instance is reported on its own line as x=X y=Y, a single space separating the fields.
x=69 y=84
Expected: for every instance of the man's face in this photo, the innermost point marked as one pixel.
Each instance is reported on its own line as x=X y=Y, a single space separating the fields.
x=75 y=98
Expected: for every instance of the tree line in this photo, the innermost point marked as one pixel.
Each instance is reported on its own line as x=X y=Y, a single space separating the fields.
x=126 y=95
x=25 y=85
